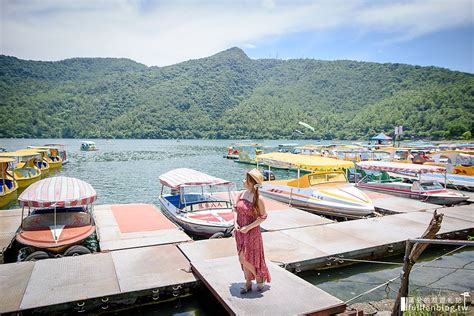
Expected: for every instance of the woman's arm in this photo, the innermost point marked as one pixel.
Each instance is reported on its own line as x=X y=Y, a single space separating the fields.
x=260 y=219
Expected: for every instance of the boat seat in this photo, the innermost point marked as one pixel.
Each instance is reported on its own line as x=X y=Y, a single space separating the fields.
x=42 y=221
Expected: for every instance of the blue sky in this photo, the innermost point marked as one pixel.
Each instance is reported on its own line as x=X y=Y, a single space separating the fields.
x=421 y=32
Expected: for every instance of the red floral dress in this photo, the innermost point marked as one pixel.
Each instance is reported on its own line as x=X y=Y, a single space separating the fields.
x=251 y=243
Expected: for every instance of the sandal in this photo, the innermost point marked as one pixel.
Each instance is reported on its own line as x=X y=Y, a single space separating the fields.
x=260 y=286
x=245 y=289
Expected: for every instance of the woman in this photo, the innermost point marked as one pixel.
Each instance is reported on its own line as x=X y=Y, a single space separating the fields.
x=249 y=213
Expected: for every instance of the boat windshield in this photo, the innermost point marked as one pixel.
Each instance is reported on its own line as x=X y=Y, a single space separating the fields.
x=315 y=179
x=431 y=185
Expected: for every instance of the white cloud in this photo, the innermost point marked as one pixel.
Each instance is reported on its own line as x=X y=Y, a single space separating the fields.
x=162 y=33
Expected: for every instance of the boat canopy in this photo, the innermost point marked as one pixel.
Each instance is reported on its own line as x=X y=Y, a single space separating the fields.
x=58 y=191
x=183 y=177
x=381 y=136
x=6 y=159
x=304 y=161
x=399 y=167
x=19 y=154
x=88 y=142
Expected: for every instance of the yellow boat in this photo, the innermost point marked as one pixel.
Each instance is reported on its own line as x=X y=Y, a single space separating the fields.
x=25 y=172
x=8 y=185
x=324 y=191
x=40 y=159
x=455 y=161
x=52 y=156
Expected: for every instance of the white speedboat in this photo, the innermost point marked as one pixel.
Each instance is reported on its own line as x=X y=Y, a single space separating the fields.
x=192 y=205
x=428 y=190
x=324 y=191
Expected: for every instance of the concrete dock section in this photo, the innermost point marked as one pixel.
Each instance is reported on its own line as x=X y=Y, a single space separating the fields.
x=392 y=204
x=50 y=282
x=134 y=225
x=10 y=220
x=285 y=295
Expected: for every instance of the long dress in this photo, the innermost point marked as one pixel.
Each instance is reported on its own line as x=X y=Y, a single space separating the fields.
x=251 y=243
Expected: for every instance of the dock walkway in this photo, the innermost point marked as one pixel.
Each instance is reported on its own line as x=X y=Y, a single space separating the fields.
x=10 y=220
x=286 y=295
x=391 y=204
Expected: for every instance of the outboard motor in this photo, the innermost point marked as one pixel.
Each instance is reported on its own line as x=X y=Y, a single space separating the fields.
x=268 y=175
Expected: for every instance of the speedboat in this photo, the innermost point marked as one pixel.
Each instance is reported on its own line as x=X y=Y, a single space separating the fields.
x=428 y=190
x=192 y=205
x=324 y=191
x=88 y=146
x=58 y=217
x=8 y=185
x=23 y=169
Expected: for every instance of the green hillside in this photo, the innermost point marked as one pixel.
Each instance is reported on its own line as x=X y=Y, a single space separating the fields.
x=228 y=95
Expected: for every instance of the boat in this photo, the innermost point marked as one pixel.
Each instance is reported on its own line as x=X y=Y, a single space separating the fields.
x=8 y=185
x=88 y=146
x=422 y=189
x=41 y=159
x=248 y=153
x=324 y=191
x=58 y=218
x=192 y=205
x=61 y=151
x=459 y=162
x=50 y=155
x=23 y=169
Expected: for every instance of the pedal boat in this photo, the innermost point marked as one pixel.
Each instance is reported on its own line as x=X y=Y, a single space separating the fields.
x=62 y=153
x=50 y=155
x=40 y=160
x=421 y=189
x=192 y=205
x=324 y=191
x=8 y=185
x=58 y=214
x=88 y=146
x=24 y=170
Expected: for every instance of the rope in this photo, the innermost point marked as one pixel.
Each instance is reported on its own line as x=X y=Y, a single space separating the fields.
x=391 y=280
x=365 y=261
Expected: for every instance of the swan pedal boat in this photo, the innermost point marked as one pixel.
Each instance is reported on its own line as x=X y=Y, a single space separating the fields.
x=422 y=189
x=198 y=213
x=8 y=185
x=324 y=191
x=24 y=170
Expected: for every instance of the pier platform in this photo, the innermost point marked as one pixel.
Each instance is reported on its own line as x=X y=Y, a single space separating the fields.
x=126 y=226
x=282 y=216
x=287 y=294
x=391 y=204
x=315 y=247
x=10 y=220
x=101 y=278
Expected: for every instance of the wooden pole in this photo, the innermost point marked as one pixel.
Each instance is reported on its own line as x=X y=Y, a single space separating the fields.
x=412 y=252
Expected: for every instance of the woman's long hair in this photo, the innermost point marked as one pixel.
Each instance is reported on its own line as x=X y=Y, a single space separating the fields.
x=253 y=184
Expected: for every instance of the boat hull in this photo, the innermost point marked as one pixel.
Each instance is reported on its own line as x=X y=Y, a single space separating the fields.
x=8 y=196
x=338 y=200
x=204 y=227
x=23 y=183
x=440 y=197
x=55 y=165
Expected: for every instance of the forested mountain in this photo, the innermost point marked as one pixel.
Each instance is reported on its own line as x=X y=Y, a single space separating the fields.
x=228 y=95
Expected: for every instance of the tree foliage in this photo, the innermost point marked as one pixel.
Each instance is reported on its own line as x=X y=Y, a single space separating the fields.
x=228 y=95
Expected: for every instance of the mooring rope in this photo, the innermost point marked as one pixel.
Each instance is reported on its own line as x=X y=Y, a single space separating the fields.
x=364 y=261
x=391 y=280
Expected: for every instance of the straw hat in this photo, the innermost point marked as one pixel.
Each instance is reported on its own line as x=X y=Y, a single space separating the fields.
x=256 y=175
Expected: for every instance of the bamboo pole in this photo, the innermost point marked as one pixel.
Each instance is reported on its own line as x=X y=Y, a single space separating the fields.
x=412 y=252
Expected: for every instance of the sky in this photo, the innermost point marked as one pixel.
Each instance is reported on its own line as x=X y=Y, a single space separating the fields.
x=159 y=33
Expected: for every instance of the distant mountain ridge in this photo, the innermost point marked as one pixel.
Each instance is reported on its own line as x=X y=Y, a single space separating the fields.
x=229 y=95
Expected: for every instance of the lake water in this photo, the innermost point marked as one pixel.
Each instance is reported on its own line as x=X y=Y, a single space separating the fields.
x=127 y=171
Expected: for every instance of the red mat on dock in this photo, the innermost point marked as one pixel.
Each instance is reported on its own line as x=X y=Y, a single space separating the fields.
x=139 y=217
x=375 y=195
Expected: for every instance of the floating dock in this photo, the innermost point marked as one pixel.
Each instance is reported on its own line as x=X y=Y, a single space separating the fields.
x=10 y=220
x=134 y=225
x=391 y=204
x=146 y=256
x=287 y=294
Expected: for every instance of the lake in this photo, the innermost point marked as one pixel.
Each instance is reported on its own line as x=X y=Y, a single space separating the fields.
x=127 y=171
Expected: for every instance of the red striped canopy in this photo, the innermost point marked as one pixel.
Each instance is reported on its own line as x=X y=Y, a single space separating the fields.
x=399 y=167
x=58 y=191
x=181 y=177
